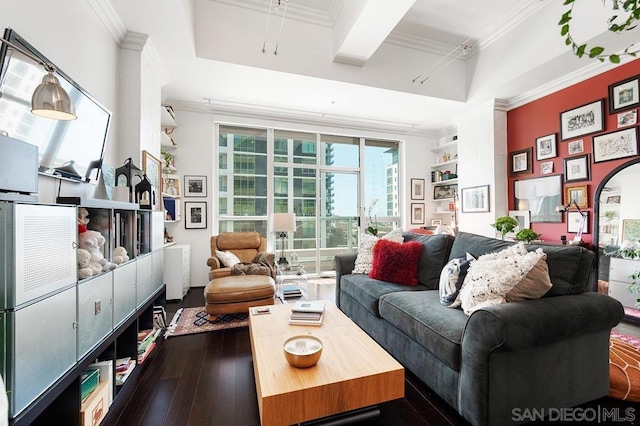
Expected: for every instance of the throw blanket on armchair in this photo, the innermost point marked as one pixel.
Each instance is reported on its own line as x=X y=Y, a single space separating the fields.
x=262 y=264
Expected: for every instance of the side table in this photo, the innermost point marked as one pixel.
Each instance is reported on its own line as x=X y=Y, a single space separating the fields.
x=288 y=280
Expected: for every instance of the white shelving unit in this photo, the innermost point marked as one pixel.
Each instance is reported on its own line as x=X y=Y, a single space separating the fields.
x=170 y=201
x=444 y=179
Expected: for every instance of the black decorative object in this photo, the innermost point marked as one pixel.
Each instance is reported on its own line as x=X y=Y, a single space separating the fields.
x=145 y=194
x=125 y=175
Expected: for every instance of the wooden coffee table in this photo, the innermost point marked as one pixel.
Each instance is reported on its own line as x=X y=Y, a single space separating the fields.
x=353 y=371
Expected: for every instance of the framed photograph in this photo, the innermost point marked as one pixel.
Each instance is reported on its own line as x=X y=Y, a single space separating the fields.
x=614 y=145
x=577 y=168
x=577 y=194
x=613 y=199
x=442 y=192
x=546 y=168
x=624 y=95
x=540 y=196
x=417 y=213
x=195 y=214
x=630 y=229
x=520 y=162
x=546 y=147
x=583 y=120
x=573 y=222
x=628 y=118
x=576 y=147
x=436 y=222
x=152 y=167
x=171 y=185
x=475 y=199
x=195 y=186
x=523 y=217
x=417 y=189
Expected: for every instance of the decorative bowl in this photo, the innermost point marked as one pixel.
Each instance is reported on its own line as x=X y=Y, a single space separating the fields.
x=302 y=351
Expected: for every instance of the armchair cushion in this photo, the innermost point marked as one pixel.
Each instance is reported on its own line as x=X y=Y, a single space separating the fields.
x=227 y=258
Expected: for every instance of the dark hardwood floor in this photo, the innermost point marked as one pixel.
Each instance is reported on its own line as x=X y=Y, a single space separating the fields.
x=207 y=379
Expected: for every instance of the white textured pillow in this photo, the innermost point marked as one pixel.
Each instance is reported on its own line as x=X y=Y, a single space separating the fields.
x=227 y=258
x=493 y=275
x=364 y=260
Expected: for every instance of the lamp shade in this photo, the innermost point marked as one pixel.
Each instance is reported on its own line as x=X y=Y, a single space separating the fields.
x=283 y=222
x=50 y=100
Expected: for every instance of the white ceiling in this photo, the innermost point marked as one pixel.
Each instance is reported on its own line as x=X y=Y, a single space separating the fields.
x=362 y=61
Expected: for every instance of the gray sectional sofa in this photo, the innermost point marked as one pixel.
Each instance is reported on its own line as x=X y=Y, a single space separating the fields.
x=546 y=353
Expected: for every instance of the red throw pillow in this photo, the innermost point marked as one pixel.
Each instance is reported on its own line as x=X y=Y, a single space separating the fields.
x=396 y=262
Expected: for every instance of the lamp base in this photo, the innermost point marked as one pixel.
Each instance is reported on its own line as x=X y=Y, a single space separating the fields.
x=283 y=263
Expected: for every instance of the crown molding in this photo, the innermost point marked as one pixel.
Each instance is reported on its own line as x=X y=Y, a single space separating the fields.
x=253 y=111
x=112 y=22
x=423 y=44
x=294 y=11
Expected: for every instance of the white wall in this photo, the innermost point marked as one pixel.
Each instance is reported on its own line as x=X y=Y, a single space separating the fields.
x=195 y=156
x=69 y=33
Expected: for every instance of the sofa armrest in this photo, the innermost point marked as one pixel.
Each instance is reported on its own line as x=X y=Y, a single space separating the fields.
x=535 y=340
x=344 y=264
x=533 y=323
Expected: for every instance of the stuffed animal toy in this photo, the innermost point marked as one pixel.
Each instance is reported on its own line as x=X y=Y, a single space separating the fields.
x=84 y=264
x=92 y=241
x=120 y=255
x=83 y=220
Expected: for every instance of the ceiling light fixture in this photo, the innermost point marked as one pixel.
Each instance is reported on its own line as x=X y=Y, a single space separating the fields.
x=266 y=31
x=49 y=99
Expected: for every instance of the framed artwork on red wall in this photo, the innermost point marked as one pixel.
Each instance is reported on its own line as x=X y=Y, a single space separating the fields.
x=624 y=95
x=520 y=162
x=614 y=145
x=583 y=120
x=577 y=168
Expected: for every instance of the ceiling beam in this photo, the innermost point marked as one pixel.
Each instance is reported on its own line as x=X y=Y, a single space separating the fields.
x=362 y=27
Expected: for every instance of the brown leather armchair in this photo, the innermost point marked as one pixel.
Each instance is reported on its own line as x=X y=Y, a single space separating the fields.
x=245 y=245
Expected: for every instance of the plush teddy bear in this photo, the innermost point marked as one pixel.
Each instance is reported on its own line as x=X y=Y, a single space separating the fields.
x=120 y=255
x=83 y=220
x=92 y=241
x=84 y=264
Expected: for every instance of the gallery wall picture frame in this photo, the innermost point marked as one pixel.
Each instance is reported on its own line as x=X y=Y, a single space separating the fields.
x=523 y=217
x=627 y=118
x=575 y=147
x=152 y=167
x=613 y=199
x=417 y=213
x=624 y=94
x=574 y=219
x=546 y=147
x=578 y=194
x=541 y=196
x=546 y=168
x=520 y=162
x=583 y=120
x=195 y=186
x=417 y=189
x=577 y=168
x=195 y=214
x=436 y=221
x=444 y=192
x=171 y=185
x=475 y=199
x=613 y=145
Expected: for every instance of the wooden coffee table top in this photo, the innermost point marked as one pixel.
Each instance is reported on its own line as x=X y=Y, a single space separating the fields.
x=353 y=371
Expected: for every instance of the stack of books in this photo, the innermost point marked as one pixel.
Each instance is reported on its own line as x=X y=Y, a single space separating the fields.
x=146 y=343
x=291 y=290
x=124 y=367
x=307 y=312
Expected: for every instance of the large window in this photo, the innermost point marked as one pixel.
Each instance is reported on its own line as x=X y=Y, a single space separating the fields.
x=318 y=177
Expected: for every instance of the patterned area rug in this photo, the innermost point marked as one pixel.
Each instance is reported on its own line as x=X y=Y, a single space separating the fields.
x=194 y=320
x=633 y=341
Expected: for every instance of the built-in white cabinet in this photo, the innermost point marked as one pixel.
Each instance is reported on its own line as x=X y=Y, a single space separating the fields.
x=444 y=180
x=177 y=260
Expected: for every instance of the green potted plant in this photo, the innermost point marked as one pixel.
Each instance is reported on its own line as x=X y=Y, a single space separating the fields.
x=527 y=235
x=504 y=225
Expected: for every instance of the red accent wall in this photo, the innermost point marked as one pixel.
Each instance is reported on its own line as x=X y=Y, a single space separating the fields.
x=542 y=117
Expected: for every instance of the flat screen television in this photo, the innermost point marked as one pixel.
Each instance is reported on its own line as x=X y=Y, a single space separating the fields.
x=66 y=149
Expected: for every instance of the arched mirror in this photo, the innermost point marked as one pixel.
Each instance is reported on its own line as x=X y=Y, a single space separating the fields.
x=617 y=236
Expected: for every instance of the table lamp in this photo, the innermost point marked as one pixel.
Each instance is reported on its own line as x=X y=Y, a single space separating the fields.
x=283 y=223
x=577 y=240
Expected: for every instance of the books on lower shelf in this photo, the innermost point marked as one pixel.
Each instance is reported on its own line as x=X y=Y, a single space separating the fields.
x=307 y=312
x=124 y=367
x=147 y=342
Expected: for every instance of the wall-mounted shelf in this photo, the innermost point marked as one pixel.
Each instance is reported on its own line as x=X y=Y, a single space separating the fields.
x=445 y=182
x=446 y=147
x=167 y=119
x=444 y=164
x=166 y=142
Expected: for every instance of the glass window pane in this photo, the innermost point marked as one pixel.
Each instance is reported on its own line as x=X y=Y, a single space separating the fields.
x=381 y=177
x=340 y=151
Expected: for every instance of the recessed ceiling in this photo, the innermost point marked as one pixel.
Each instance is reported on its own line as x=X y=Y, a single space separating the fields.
x=327 y=63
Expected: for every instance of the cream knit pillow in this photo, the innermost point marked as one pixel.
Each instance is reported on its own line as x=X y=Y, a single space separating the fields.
x=364 y=260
